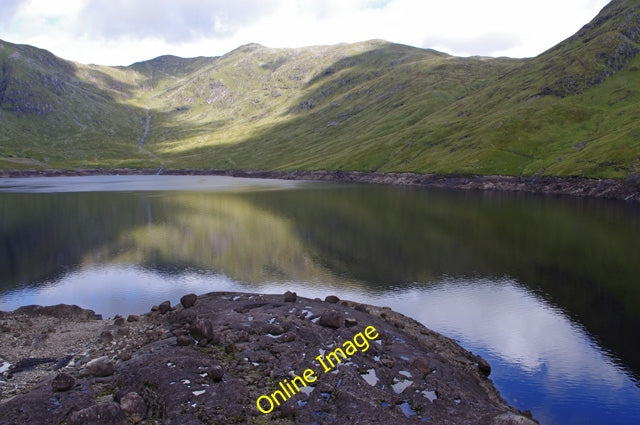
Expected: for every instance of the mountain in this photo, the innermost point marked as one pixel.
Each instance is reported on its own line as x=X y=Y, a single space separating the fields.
x=370 y=106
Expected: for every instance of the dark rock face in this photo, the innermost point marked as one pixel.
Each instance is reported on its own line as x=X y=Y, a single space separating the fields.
x=290 y=297
x=216 y=373
x=63 y=311
x=261 y=354
x=331 y=299
x=43 y=405
x=350 y=322
x=331 y=319
x=165 y=307
x=101 y=367
x=610 y=42
x=203 y=332
x=100 y=414
x=133 y=407
x=422 y=366
x=63 y=382
x=188 y=300
x=173 y=380
x=484 y=367
x=184 y=340
x=106 y=336
x=121 y=331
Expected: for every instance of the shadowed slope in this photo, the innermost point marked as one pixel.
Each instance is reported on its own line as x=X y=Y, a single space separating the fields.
x=369 y=106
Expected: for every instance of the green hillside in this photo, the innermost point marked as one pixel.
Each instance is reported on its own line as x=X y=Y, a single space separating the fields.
x=370 y=106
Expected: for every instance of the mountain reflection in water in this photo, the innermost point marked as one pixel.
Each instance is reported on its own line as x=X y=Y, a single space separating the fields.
x=545 y=288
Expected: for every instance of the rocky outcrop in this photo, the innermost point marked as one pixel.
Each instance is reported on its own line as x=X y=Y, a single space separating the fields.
x=598 y=51
x=256 y=359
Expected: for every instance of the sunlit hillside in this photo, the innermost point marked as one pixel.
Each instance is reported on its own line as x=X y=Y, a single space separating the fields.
x=370 y=106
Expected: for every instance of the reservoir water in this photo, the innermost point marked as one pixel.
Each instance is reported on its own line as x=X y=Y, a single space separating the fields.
x=547 y=289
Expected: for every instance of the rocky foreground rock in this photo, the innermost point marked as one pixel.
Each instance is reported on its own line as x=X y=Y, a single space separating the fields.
x=224 y=358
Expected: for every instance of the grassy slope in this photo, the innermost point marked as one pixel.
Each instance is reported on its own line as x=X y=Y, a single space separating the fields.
x=364 y=106
x=54 y=112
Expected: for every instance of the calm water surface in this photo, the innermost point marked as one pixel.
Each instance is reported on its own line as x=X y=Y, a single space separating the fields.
x=547 y=289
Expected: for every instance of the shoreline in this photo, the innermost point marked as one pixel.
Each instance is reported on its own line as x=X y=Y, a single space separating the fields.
x=226 y=355
x=618 y=189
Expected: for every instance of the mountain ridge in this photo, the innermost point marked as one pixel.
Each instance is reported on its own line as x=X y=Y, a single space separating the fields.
x=367 y=106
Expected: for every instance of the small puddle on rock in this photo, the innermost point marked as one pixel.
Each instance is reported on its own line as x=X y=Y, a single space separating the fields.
x=307 y=390
x=407 y=410
x=370 y=377
x=400 y=386
x=431 y=395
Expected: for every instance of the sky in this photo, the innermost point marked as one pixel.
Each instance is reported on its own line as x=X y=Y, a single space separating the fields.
x=121 y=32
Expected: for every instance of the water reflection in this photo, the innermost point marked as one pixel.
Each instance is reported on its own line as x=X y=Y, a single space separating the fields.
x=118 y=289
x=545 y=288
x=116 y=183
x=541 y=359
x=534 y=349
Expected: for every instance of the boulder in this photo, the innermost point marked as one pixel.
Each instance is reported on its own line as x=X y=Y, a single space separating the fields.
x=423 y=366
x=331 y=319
x=184 y=340
x=99 y=414
x=106 y=336
x=203 y=332
x=133 y=406
x=215 y=373
x=101 y=367
x=331 y=299
x=62 y=382
x=350 y=322
x=262 y=342
x=188 y=300
x=164 y=307
x=60 y=311
x=484 y=367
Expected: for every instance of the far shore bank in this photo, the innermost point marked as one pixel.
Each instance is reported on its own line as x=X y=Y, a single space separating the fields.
x=627 y=189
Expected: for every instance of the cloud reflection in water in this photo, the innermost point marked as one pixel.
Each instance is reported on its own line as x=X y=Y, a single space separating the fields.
x=539 y=356
x=532 y=346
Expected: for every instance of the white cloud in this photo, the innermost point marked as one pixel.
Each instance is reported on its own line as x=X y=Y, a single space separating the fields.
x=125 y=31
x=487 y=44
x=167 y=20
x=8 y=10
